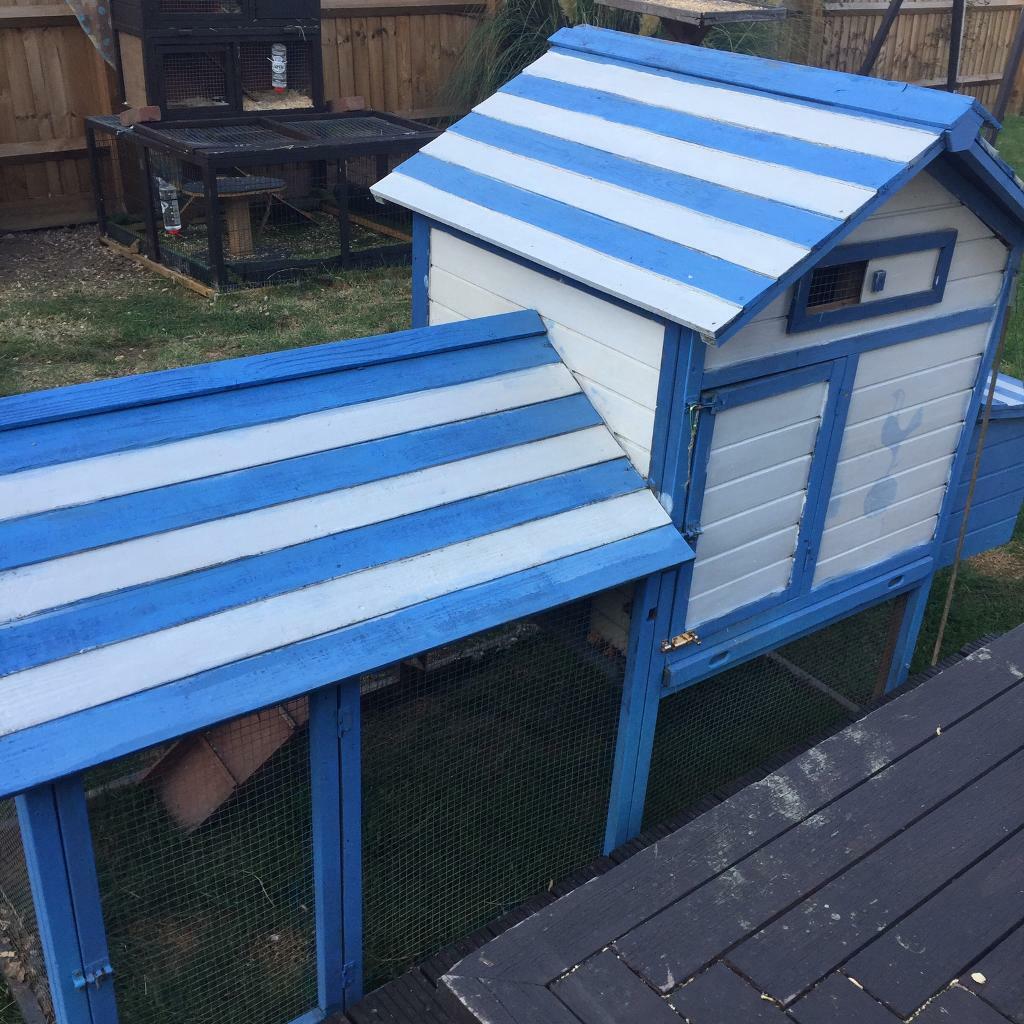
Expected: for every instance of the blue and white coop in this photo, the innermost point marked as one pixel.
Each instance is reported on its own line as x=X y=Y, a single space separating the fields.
x=314 y=662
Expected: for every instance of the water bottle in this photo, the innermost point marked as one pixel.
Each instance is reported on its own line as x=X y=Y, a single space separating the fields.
x=169 y=206
x=279 y=66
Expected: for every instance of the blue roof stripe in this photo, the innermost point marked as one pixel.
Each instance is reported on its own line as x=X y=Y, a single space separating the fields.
x=715 y=276
x=102 y=434
x=894 y=101
x=777 y=219
x=120 y=615
x=42 y=752
x=857 y=168
x=47 y=535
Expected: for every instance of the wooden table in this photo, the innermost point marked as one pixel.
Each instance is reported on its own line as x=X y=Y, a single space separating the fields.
x=878 y=876
x=236 y=195
x=689 y=21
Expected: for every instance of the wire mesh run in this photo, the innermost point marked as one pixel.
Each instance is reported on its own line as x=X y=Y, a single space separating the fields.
x=837 y=286
x=22 y=962
x=280 y=215
x=204 y=8
x=486 y=774
x=204 y=856
x=195 y=79
x=730 y=724
x=288 y=87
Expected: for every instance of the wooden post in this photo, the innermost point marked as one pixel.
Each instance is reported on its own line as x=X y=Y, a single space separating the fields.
x=891 y=14
x=336 y=780
x=58 y=854
x=956 y=39
x=904 y=642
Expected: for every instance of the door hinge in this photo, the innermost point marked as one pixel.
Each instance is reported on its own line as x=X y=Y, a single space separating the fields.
x=682 y=640
x=93 y=975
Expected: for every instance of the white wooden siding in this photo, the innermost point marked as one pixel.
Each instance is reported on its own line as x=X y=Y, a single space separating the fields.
x=975 y=276
x=905 y=421
x=610 y=616
x=613 y=353
x=753 y=500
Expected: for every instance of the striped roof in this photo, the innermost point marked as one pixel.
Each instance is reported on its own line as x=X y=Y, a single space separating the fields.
x=692 y=183
x=1008 y=397
x=247 y=531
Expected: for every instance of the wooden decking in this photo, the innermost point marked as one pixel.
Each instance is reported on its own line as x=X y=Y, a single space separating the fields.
x=875 y=878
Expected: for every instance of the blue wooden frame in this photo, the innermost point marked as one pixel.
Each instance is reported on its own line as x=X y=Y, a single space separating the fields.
x=55 y=836
x=838 y=374
x=336 y=785
x=420 y=271
x=944 y=241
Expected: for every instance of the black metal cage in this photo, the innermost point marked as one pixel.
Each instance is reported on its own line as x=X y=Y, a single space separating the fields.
x=235 y=203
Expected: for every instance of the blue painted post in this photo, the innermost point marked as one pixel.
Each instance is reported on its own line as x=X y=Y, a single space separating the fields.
x=325 y=795
x=85 y=898
x=334 y=751
x=350 y=731
x=906 y=636
x=54 y=832
x=420 y=270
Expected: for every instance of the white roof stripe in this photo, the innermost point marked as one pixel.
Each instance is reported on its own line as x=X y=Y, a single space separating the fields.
x=60 y=581
x=737 y=107
x=736 y=243
x=104 y=476
x=662 y=295
x=180 y=651
x=761 y=178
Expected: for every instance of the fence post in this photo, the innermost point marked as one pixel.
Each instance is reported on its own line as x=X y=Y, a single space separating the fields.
x=336 y=782
x=54 y=825
x=638 y=714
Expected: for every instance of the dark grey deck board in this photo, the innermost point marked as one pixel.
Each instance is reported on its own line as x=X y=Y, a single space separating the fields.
x=719 y=996
x=508 y=1002
x=1003 y=971
x=605 y=991
x=837 y=1000
x=958 y=1006
x=730 y=906
x=918 y=957
x=591 y=917
x=811 y=940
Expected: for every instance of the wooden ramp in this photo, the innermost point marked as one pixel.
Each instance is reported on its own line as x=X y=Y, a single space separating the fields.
x=877 y=877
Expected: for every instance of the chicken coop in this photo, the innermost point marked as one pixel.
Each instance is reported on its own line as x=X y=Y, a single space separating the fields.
x=315 y=662
x=246 y=202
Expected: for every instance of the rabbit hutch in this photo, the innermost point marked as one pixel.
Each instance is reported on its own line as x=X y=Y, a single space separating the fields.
x=314 y=662
x=250 y=201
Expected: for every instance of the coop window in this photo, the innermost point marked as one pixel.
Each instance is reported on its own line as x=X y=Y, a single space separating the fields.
x=275 y=75
x=870 y=279
x=834 y=287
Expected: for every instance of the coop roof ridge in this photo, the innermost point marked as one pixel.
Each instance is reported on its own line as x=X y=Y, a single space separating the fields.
x=692 y=184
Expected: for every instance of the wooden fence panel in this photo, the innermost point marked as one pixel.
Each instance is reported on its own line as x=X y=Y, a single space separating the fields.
x=397 y=57
x=917 y=49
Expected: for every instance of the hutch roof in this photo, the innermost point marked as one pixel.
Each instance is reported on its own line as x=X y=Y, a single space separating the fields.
x=692 y=183
x=212 y=540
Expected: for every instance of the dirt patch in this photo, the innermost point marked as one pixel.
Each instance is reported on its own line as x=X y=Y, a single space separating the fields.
x=1003 y=563
x=40 y=263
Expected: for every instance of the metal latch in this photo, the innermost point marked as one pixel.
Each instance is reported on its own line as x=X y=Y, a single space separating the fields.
x=93 y=975
x=679 y=641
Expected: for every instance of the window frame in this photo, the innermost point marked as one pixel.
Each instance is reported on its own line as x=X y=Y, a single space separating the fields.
x=801 y=319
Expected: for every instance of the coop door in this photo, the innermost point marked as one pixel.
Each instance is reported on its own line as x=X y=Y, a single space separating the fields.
x=759 y=454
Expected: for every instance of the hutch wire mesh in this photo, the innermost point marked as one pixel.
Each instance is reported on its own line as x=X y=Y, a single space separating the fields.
x=717 y=730
x=486 y=769
x=240 y=203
